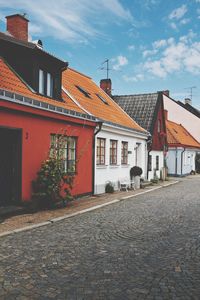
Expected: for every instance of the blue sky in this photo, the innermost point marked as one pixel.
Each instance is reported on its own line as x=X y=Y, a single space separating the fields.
x=151 y=44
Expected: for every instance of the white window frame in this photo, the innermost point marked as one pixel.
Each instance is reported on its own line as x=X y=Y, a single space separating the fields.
x=41 y=81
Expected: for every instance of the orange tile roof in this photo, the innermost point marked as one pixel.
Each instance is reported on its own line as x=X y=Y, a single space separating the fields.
x=10 y=81
x=110 y=112
x=177 y=134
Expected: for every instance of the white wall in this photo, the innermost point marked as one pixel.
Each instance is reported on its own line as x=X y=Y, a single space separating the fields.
x=187 y=157
x=180 y=115
x=115 y=173
x=161 y=164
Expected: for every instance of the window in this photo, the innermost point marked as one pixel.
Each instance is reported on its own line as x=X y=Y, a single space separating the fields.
x=150 y=163
x=124 y=153
x=46 y=83
x=66 y=150
x=41 y=82
x=157 y=162
x=83 y=91
x=102 y=99
x=49 y=85
x=101 y=151
x=113 y=152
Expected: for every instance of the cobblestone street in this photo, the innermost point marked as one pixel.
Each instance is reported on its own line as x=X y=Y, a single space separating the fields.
x=147 y=247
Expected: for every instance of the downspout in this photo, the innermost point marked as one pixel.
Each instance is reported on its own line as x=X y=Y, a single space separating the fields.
x=93 y=156
x=149 y=142
x=182 y=161
x=176 y=163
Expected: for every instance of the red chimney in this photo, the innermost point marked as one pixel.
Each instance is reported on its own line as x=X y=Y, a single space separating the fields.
x=17 y=26
x=166 y=114
x=106 y=85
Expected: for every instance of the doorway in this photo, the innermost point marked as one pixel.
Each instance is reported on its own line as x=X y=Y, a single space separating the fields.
x=10 y=166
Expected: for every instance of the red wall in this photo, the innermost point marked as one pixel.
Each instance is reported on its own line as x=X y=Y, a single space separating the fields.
x=159 y=139
x=36 y=132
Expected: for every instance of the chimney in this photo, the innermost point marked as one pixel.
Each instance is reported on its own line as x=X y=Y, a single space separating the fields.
x=166 y=114
x=17 y=26
x=106 y=85
x=188 y=101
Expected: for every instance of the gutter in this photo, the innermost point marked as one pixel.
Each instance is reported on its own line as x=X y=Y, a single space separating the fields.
x=93 y=156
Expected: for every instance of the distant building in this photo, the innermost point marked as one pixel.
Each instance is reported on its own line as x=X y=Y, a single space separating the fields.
x=182 y=149
x=148 y=111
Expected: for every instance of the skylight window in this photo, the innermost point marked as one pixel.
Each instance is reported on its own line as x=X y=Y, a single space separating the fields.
x=83 y=91
x=102 y=99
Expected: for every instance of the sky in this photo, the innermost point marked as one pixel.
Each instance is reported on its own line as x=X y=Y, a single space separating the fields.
x=152 y=45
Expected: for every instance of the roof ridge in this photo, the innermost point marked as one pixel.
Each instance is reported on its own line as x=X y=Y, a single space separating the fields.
x=80 y=73
x=155 y=93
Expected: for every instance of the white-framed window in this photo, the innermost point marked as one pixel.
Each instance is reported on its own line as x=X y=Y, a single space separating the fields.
x=124 y=153
x=41 y=82
x=49 y=85
x=101 y=151
x=113 y=152
x=65 y=148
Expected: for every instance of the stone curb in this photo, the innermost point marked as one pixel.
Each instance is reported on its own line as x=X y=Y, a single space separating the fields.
x=54 y=220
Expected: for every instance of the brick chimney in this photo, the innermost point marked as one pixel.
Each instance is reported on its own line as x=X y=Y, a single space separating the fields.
x=17 y=26
x=188 y=101
x=106 y=85
x=166 y=114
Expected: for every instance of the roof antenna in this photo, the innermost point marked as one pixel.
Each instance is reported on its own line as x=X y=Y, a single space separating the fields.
x=105 y=67
x=191 y=91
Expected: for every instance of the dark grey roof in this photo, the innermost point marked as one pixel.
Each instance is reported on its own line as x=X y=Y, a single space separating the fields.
x=139 y=107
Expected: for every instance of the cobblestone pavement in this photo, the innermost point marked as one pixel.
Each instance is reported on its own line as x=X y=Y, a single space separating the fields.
x=144 y=248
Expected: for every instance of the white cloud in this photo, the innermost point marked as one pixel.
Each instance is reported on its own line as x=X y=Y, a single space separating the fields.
x=136 y=78
x=149 y=52
x=183 y=55
x=184 y=21
x=178 y=13
x=131 y=47
x=159 y=43
x=69 y=20
x=170 y=57
x=119 y=61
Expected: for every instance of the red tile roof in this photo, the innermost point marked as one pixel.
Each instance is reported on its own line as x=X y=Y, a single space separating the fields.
x=10 y=81
x=179 y=136
x=109 y=112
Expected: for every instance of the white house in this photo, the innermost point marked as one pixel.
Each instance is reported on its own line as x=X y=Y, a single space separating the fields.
x=182 y=149
x=181 y=115
x=120 y=143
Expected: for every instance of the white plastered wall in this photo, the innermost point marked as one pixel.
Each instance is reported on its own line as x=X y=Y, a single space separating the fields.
x=180 y=115
x=161 y=164
x=116 y=173
x=180 y=161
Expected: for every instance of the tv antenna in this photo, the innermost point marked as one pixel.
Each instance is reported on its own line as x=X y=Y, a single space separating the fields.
x=105 y=66
x=190 y=88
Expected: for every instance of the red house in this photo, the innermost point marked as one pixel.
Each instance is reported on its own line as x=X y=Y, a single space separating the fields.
x=33 y=107
x=148 y=111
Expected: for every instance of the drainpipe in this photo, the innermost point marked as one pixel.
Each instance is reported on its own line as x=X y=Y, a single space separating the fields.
x=182 y=161
x=149 y=143
x=93 y=156
x=176 y=163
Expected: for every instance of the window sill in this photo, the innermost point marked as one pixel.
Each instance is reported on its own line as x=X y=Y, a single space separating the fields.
x=125 y=165
x=101 y=166
x=114 y=166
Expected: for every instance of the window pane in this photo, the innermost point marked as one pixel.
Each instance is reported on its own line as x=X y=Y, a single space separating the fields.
x=49 y=85
x=41 y=82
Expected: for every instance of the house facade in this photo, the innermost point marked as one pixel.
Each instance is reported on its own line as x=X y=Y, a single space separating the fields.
x=120 y=143
x=182 y=149
x=148 y=112
x=181 y=115
x=33 y=108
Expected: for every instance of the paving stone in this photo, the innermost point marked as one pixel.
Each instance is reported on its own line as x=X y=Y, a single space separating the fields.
x=142 y=248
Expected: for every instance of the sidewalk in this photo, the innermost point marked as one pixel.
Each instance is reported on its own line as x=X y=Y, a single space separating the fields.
x=30 y=220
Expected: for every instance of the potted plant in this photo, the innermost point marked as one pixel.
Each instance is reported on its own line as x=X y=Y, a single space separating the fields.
x=135 y=173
